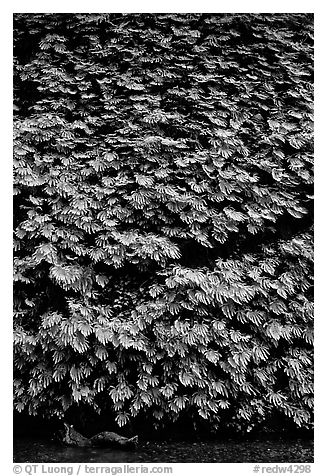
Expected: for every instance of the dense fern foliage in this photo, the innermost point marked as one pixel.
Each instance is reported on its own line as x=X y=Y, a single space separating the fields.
x=163 y=217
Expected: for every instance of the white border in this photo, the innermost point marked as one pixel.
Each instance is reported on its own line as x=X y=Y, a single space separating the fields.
x=6 y=238
x=250 y=6
x=224 y=6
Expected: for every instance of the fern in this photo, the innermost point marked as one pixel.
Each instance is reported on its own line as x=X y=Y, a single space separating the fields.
x=163 y=171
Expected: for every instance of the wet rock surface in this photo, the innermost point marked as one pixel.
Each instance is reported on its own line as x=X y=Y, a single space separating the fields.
x=27 y=450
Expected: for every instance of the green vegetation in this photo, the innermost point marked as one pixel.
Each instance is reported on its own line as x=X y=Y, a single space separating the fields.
x=163 y=217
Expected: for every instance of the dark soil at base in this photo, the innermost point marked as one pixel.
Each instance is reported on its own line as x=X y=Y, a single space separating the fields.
x=36 y=450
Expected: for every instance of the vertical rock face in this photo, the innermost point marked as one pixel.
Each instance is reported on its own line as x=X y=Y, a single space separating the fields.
x=163 y=172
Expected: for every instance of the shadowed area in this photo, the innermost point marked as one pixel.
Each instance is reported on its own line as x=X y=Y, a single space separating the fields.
x=28 y=450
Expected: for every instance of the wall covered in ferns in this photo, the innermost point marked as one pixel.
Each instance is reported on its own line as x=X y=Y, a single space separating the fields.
x=163 y=217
